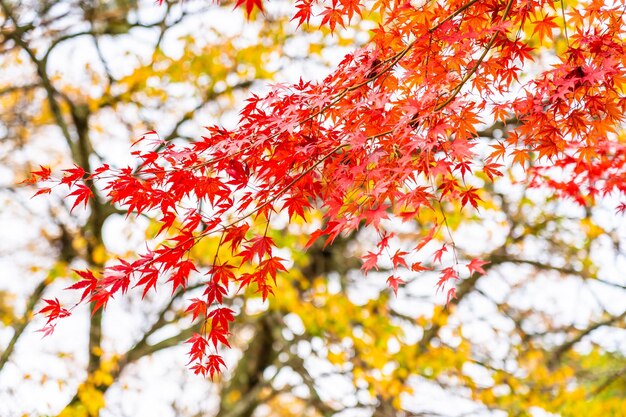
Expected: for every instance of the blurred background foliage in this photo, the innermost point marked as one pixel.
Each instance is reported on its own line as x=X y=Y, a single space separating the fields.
x=541 y=332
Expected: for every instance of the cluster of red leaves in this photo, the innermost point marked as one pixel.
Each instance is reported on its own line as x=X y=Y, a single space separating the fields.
x=391 y=131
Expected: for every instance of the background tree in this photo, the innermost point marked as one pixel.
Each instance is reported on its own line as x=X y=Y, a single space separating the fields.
x=332 y=339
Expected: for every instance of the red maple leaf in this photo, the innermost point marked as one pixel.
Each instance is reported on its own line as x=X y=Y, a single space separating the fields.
x=235 y=235
x=250 y=5
x=149 y=278
x=271 y=266
x=446 y=275
x=370 y=260
x=476 y=265
x=544 y=27
x=72 y=175
x=198 y=349
x=214 y=364
x=45 y=190
x=398 y=259
x=88 y=282
x=304 y=12
x=260 y=246
x=222 y=273
x=197 y=307
x=218 y=335
x=221 y=317
x=417 y=267
x=393 y=283
x=180 y=276
x=82 y=193
x=100 y=298
x=43 y=174
x=439 y=253
x=450 y=295
x=53 y=311
x=214 y=292
x=470 y=195
x=492 y=170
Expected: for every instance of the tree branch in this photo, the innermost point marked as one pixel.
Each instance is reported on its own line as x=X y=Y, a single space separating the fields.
x=20 y=325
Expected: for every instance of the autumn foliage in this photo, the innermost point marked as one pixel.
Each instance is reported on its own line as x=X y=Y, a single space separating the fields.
x=392 y=132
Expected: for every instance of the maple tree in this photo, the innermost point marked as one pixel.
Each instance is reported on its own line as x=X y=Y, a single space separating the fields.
x=389 y=132
x=392 y=134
